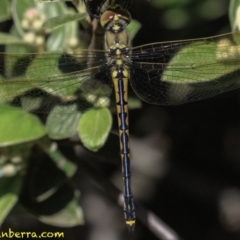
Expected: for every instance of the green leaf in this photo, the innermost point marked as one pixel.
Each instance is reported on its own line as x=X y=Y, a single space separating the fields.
x=64 y=164
x=109 y=150
x=197 y=71
x=68 y=167
x=55 y=176
x=15 y=49
x=5 y=12
x=18 y=10
x=31 y=104
x=71 y=215
x=51 y=1
x=133 y=28
x=61 y=125
x=94 y=127
x=9 y=191
x=74 y=31
x=234 y=16
x=67 y=87
x=58 y=39
x=10 y=39
x=40 y=199
x=134 y=103
x=59 y=21
x=50 y=185
x=8 y=89
x=17 y=126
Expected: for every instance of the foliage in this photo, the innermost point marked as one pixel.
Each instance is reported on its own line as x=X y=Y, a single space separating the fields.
x=55 y=27
x=44 y=27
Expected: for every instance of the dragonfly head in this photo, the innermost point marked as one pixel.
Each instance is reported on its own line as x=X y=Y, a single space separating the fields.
x=115 y=19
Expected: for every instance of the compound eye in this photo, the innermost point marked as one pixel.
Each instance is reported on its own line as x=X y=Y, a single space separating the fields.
x=106 y=18
x=109 y=15
x=124 y=14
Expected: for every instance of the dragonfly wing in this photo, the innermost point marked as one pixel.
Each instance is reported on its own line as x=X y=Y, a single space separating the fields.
x=97 y=7
x=52 y=78
x=178 y=72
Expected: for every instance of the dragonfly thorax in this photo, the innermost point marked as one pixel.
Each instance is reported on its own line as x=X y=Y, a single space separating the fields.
x=118 y=55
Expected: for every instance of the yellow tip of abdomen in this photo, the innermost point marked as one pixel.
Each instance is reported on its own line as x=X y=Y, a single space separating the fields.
x=131 y=226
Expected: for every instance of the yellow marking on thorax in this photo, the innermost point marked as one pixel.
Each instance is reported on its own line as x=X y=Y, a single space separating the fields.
x=118 y=52
x=119 y=62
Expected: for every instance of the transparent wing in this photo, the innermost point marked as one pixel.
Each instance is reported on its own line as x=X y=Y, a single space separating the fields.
x=178 y=72
x=38 y=82
x=124 y=3
x=97 y=7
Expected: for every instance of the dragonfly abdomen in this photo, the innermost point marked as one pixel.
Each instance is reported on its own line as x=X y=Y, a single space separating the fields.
x=120 y=82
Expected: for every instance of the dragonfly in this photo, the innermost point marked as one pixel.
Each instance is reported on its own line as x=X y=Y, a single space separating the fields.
x=162 y=73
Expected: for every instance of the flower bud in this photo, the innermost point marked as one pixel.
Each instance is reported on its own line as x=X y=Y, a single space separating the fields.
x=31 y=14
x=42 y=17
x=29 y=37
x=37 y=25
x=73 y=42
x=91 y=97
x=39 y=40
x=25 y=24
x=8 y=170
x=102 y=102
x=16 y=159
